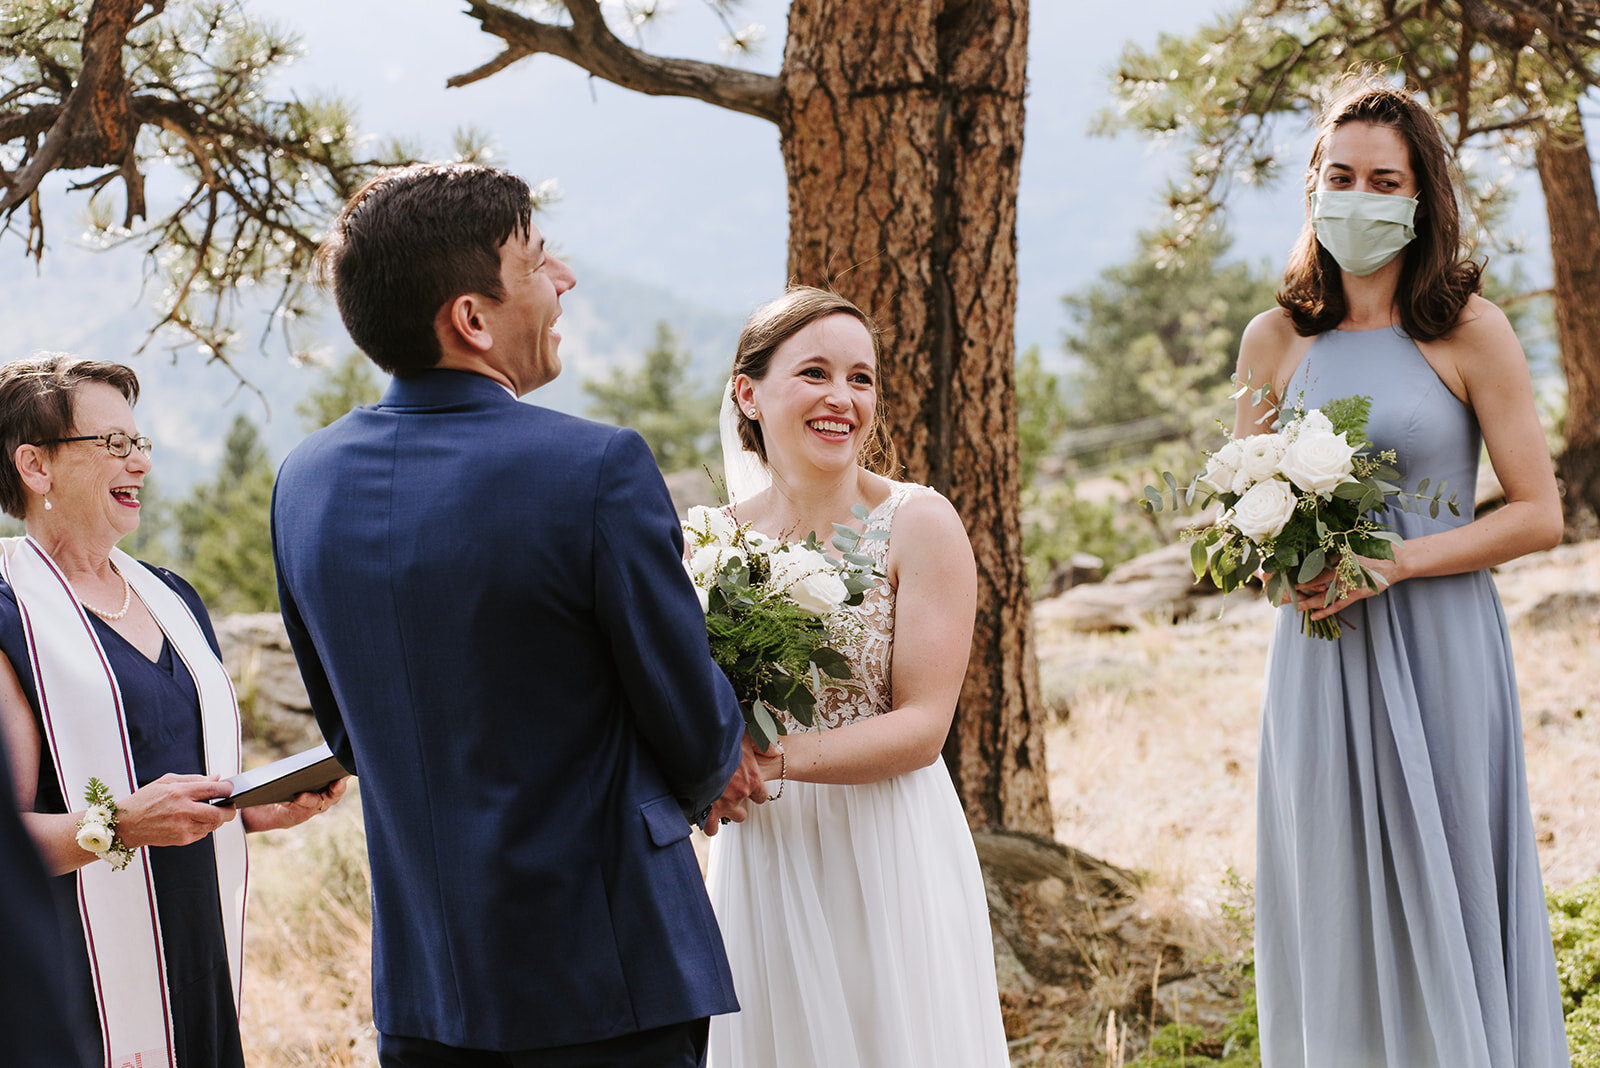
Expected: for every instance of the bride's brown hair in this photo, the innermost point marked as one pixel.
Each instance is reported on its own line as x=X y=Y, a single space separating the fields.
x=776 y=322
x=1436 y=275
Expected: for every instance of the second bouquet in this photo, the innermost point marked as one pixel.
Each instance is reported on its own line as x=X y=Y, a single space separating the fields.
x=773 y=614
x=1299 y=501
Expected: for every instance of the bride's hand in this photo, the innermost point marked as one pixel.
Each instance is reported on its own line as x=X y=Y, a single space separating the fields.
x=748 y=784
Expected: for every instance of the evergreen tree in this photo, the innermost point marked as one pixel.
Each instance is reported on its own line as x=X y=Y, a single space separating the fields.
x=352 y=382
x=1156 y=340
x=224 y=528
x=660 y=401
x=1042 y=415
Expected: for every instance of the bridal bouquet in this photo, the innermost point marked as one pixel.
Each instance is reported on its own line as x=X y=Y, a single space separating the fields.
x=1298 y=501
x=772 y=609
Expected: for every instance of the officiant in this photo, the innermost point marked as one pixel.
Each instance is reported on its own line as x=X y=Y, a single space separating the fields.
x=121 y=722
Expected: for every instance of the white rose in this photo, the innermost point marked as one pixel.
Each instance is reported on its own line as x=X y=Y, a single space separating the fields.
x=1263 y=510
x=819 y=593
x=1259 y=456
x=711 y=525
x=706 y=562
x=94 y=837
x=1318 y=460
x=1311 y=422
x=794 y=563
x=1222 y=466
x=97 y=814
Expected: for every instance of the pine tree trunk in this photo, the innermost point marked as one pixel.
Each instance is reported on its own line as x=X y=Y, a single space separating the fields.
x=901 y=129
x=1567 y=179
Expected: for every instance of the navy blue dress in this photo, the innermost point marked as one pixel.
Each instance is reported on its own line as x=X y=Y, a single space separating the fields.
x=163 y=712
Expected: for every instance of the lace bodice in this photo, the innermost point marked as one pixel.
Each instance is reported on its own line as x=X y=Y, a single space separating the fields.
x=867 y=639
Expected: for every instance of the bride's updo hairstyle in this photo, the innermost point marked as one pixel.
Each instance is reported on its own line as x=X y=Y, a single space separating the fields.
x=776 y=322
x=1436 y=275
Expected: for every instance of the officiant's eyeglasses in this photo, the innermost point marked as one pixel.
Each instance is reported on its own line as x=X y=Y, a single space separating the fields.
x=116 y=443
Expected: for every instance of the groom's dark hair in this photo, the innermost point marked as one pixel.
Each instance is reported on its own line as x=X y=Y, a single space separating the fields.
x=410 y=241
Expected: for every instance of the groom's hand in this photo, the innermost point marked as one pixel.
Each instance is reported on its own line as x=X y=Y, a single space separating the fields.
x=746 y=785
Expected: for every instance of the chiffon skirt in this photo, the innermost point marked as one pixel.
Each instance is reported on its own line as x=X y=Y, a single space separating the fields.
x=1400 y=915
x=858 y=931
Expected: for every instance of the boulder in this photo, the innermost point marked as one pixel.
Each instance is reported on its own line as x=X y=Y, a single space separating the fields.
x=272 y=698
x=1158 y=587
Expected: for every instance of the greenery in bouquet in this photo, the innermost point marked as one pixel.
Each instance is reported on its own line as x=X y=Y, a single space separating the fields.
x=1297 y=501
x=772 y=613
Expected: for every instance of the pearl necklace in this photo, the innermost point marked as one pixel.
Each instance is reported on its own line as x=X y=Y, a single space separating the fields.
x=127 y=599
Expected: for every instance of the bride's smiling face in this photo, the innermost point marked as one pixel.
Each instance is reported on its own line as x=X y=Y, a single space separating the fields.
x=817 y=400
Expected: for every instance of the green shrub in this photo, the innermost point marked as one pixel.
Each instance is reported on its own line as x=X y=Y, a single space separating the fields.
x=1237 y=1045
x=1575 y=930
x=1057 y=522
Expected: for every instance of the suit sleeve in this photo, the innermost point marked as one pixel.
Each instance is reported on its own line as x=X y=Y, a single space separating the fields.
x=312 y=673
x=686 y=710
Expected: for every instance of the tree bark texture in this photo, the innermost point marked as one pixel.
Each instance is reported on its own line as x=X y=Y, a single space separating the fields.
x=1567 y=179
x=901 y=128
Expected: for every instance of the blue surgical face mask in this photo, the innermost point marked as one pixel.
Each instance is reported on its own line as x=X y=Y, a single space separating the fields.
x=1362 y=231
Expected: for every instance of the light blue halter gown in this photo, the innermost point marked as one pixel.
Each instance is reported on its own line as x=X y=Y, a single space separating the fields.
x=1400 y=915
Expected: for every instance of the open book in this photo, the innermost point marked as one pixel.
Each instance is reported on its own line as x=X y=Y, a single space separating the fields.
x=281 y=780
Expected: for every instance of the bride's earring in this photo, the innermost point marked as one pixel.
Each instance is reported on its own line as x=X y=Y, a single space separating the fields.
x=753 y=413
x=47 y=504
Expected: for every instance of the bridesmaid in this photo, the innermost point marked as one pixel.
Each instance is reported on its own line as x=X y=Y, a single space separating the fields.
x=1400 y=918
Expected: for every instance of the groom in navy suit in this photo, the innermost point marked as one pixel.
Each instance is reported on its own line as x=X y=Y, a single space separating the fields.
x=497 y=634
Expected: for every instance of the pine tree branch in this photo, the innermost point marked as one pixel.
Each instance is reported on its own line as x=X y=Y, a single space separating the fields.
x=589 y=43
x=97 y=89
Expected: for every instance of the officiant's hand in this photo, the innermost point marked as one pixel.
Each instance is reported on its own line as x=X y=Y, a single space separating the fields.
x=174 y=810
x=296 y=811
x=746 y=785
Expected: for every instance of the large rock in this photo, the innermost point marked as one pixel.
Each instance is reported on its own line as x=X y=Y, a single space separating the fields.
x=1158 y=587
x=272 y=697
x=1073 y=941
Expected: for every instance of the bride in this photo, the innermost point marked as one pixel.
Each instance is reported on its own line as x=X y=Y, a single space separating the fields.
x=851 y=903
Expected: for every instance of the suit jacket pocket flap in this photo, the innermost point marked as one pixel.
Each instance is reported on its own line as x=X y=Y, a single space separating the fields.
x=665 y=821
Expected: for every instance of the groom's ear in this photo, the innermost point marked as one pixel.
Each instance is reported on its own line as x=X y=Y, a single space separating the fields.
x=462 y=322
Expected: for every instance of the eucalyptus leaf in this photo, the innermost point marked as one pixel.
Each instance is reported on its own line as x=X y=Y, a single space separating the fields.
x=1197 y=558
x=831 y=661
x=763 y=729
x=1312 y=565
x=803 y=706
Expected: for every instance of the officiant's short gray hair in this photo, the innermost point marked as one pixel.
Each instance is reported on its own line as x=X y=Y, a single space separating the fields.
x=776 y=322
x=36 y=401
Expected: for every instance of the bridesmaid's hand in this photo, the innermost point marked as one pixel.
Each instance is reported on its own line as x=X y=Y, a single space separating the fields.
x=1310 y=595
x=296 y=811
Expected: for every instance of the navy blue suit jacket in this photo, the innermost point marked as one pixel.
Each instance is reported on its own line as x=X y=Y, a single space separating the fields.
x=493 y=622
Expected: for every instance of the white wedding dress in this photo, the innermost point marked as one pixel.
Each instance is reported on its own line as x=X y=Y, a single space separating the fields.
x=855 y=916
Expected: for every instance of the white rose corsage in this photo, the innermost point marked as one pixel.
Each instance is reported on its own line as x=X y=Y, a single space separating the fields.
x=97 y=829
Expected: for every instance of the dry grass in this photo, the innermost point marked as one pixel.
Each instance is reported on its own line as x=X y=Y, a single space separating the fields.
x=308 y=946
x=1154 y=767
